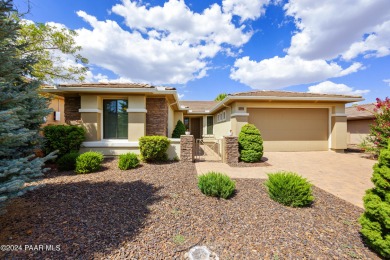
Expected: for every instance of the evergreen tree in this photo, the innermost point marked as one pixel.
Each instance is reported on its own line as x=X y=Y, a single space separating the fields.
x=180 y=129
x=22 y=110
x=375 y=220
x=250 y=144
x=221 y=97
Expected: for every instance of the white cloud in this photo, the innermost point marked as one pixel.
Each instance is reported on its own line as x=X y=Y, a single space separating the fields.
x=387 y=81
x=328 y=87
x=328 y=28
x=167 y=44
x=246 y=9
x=281 y=72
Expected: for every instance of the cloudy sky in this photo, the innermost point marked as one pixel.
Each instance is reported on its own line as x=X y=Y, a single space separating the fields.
x=204 y=48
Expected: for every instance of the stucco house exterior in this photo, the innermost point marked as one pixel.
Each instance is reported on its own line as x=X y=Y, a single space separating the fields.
x=358 y=123
x=116 y=115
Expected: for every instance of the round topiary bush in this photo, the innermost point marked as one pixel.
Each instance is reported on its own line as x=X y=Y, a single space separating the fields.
x=89 y=162
x=250 y=144
x=67 y=162
x=180 y=129
x=128 y=161
x=375 y=220
x=216 y=184
x=289 y=189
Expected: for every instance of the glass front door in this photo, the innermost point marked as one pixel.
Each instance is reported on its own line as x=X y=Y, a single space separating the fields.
x=115 y=119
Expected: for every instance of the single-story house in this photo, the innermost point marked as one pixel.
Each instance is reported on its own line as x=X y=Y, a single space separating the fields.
x=116 y=115
x=358 y=123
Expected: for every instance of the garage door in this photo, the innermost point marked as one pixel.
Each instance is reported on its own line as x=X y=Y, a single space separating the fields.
x=292 y=129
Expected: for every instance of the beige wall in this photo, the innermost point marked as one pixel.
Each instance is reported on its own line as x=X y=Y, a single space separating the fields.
x=136 y=126
x=358 y=130
x=91 y=122
x=171 y=121
x=57 y=104
x=339 y=133
x=221 y=129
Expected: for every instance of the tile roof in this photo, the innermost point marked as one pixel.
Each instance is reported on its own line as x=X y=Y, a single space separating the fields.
x=199 y=106
x=354 y=113
x=270 y=93
x=111 y=85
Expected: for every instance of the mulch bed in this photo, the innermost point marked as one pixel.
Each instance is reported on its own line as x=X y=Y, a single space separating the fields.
x=262 y=163
x=157 y=212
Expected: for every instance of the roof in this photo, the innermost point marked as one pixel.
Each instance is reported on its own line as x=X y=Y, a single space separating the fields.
x=199 y=106
x=270 y=93
x=111 y=85
x=354 y=113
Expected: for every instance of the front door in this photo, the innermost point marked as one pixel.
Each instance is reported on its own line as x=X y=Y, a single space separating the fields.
x=195 y=127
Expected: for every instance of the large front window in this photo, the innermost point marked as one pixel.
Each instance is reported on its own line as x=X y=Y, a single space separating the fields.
x=115 y=119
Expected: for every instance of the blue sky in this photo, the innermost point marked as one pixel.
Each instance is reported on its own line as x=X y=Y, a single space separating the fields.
x=204 y=48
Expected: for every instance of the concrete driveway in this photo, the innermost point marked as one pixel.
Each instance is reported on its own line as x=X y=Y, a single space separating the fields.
x=344 y=175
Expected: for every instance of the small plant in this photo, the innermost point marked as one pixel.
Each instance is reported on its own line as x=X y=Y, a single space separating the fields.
x=179 y=239
x=176 y=158
x=180 y=129
x=154 y=148
x=64 y=138
x=67 y=162
x=216 y=184
x=375 y=221
x=89 y=162
x=250 y=144
x=128 y=161
x=289 y=189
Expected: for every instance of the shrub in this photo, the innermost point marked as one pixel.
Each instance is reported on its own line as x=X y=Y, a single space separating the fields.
x=180 y=129
x=250 y=144
x=375 y=220
x=216 y=184
x=289 y=189
x=89 y=162
x=65 y=138
x=67 y=162
x=154 y=148
x=128 y=161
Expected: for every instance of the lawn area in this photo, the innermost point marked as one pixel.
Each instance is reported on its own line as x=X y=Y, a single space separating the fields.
x=156 y=211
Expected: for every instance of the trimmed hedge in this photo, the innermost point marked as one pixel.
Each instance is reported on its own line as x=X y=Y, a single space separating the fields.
x=68 y=161
x=154 y=148
x=375 y=220
x=216 y=184
x=128 y=161
x=180 y=129
x=89 y=162
x=289 y=189
x=64 y=138
x=250 y=144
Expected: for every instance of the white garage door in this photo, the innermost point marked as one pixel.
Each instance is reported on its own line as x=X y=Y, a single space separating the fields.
x=292 y=129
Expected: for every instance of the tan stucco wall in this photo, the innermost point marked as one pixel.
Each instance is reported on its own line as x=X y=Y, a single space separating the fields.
x=58 y=105
x=221 y=129
x=358 y=130
x=91 y=122
x=171 y=121
x=137 y=102
x=178 y=116
x=339 y=133
x=136 y=126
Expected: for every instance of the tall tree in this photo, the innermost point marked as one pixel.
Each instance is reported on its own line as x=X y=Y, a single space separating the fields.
x=220 y=97
x=54 y=46
x=22 y=109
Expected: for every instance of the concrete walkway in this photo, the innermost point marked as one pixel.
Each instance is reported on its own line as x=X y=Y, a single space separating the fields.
x=344 y=175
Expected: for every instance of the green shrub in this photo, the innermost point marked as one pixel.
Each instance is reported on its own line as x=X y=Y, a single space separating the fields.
x=64 y=138
x=250 y=144
x=289 y=189
x=375 y=220
x=154 y=148
x=180 y=129
x=216 y=184
x=67 y=162
x=128 y=161
x=89 y=162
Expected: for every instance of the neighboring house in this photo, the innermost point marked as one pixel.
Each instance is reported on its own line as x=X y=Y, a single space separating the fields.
x=358 y=123
x=117 y=115
x=57 y=116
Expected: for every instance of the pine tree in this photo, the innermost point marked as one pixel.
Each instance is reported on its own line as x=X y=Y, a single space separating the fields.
x=375 y=220
x=180 y=129
x=250 y=143
x=22 y=111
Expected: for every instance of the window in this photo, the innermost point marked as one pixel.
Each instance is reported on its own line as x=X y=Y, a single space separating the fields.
x=209 y=125
x=187 y=123
x=115 y=122
x=221 y=116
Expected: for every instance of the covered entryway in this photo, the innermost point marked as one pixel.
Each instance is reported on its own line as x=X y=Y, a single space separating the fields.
x=292 y=129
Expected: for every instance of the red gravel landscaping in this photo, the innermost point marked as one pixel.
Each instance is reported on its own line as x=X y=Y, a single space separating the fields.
x=156 y=211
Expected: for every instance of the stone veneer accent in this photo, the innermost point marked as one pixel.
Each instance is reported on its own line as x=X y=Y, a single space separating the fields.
x=72 y=106
x=230 y=146
x=187 y=148
x=156 y=116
